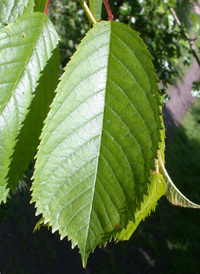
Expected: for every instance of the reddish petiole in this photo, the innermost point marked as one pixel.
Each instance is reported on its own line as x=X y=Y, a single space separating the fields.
x=110 y=15
x=47 y=7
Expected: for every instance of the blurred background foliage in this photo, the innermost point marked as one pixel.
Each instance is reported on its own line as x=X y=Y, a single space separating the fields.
x=168 y=40
x=71 y=24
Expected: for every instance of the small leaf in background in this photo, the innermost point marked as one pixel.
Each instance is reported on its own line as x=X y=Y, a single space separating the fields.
x=25 y=47
x=125 y=9
x=100 y=139
x=196 y=27
x=196 y=89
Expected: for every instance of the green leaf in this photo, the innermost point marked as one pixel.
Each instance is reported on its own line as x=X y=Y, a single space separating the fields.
x=28 y=138
x=30 y=7
x=39 y=224
x=100 y=139
x=10 y=10
x=155 y=191
x=40 y=5
x=25 y=47
x=95 y=7
x=172 y=193
x=3 y=193
x=196 y=23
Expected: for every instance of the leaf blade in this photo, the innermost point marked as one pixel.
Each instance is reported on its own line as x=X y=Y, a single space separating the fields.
x=11 y=10
x=33 y=123
x=22 y=60
x=91 y=153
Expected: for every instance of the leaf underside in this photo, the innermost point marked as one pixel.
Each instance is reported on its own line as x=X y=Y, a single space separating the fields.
x=100 y=139
x=25 y=47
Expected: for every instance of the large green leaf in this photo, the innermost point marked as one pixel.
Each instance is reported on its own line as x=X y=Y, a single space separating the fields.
x=25 y=47
x=10 y=10
x=95 y=7
x=28 y=138
x=100 y=139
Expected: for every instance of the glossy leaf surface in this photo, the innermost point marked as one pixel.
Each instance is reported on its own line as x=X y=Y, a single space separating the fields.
x=10 y=10
x=100 y=139
x=33 y=123
x=25 y=47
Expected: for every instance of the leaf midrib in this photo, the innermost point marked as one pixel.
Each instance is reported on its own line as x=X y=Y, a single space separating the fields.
x=100 y=143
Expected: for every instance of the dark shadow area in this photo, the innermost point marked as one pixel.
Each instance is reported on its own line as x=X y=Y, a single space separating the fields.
x=169 y=122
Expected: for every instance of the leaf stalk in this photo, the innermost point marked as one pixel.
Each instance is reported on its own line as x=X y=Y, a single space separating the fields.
x=88 y=12
x=110 y=15
x=47 y=7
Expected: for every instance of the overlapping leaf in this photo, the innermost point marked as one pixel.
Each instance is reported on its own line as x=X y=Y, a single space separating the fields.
x=10 y=10
x=25 y=47
x=28 y=137
x=100 y=139
x=95 y=7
